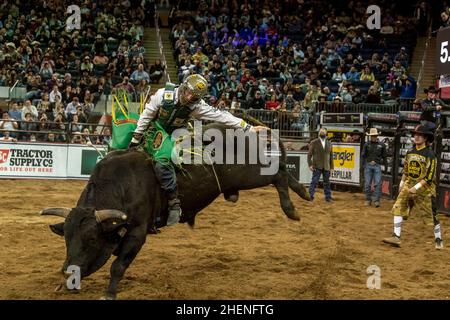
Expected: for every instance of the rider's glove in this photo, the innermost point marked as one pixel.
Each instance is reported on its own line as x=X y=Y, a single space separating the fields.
x=136 y=141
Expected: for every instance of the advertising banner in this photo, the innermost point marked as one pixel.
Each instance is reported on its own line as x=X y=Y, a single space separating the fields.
x=346 y=160
x=32 y=160
x=297 y=166
x=82 y=160
x=48 y=161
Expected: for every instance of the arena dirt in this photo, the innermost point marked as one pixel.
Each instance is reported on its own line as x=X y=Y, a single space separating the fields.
x=248 y=250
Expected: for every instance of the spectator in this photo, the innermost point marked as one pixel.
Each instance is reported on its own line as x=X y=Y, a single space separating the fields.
x=126 y=85
x=55 y=92
x=156 y=71
x=87 y=65
x=140 y=74
x=367 y=74
x=82 y=115
x=402 y=57
x=407 y=87
x=353 y=74
x=72 y=107
x=7 y=137
x=272 y=104
x=423 y=16
x=445 y=17
x=26 y=127
x=14 y=112
x=31 y=109
x=75 y=126
x=373 y=96
x=8 y=124
x=373 y=156
x=106 y=137
x=339 y=75
x=100 y=59
x=77 y=138
x=320 y=162
x=256 y=102
x=46 y=71
x=430 y=105
x=398 y=70
x=43 y=104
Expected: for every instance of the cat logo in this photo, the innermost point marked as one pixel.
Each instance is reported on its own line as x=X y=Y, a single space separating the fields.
x=158 y=140
x=414 y=169
x=168 y=95
x=200 y=86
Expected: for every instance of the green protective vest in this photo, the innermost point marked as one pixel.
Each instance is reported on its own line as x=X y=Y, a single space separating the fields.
x=170 y=117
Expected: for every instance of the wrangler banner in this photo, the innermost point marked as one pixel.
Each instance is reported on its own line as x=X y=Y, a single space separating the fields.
x=346 y=160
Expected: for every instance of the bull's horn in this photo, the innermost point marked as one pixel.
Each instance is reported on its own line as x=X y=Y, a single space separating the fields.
x=60 y=212
x=102 y=215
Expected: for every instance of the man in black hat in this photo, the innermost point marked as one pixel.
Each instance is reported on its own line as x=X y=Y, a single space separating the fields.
x=418 y=186
x=431 y=105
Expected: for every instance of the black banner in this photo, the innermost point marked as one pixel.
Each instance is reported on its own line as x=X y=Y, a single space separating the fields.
x=443 y=51
x=382 y=117
x=342 y=118
x=409 y=116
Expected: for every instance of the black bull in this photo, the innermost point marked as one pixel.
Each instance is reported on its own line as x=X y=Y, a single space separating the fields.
x=122 y=202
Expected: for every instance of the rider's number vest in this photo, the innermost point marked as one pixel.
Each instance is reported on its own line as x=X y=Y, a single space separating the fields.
x=172 y=116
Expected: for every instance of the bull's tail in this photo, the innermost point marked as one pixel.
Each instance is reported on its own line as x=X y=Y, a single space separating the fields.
x=298 y=188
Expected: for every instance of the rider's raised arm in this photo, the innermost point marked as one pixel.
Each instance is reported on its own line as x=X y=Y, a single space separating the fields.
x=150 y=111
x=204 y=111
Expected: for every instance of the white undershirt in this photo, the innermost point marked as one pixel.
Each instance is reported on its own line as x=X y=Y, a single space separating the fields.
x=323 y=142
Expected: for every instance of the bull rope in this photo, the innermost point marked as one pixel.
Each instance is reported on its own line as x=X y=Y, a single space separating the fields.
x=212 y=165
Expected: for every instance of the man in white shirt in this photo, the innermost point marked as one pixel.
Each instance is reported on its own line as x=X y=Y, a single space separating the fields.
x=55 y=92
x=29 y=108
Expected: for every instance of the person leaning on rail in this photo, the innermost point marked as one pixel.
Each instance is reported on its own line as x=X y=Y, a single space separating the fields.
x=431 y=105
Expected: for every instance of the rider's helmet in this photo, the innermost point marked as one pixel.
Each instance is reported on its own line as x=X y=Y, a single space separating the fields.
x=196 y=85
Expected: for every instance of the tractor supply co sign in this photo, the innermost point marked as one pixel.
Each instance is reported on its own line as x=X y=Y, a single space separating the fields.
x=32 y=161
x=346 y=160
x=47 y=161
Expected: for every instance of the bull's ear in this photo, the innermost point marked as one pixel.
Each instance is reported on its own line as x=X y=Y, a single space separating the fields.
x=58 y=228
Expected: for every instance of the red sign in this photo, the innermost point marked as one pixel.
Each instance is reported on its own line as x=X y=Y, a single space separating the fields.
x=446 y=199
x=385 y=187
x=4 y=153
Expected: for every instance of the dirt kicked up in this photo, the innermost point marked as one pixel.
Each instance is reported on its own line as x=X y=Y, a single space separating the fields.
x=247 y=250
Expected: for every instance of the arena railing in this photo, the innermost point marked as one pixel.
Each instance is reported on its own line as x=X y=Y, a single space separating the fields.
x=64 y=130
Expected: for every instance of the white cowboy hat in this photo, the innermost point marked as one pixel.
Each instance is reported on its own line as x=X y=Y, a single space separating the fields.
x=373 y=132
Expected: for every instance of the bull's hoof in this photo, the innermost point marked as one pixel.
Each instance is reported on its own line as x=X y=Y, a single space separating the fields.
x=233 y=198
x=154 y=230
x=293 y=216
x=304 y=194
x=108 y=296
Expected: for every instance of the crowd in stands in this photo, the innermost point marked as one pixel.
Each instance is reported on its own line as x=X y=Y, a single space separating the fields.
x=288 y=55
x=65 y=71
x=273 y=55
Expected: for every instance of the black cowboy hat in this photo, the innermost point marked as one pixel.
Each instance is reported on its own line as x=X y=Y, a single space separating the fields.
x=431 y=89
x=426 y=131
